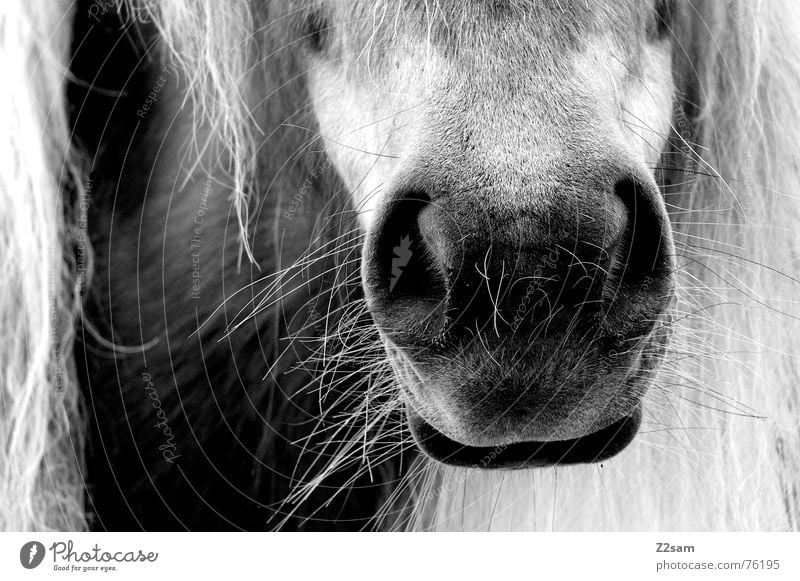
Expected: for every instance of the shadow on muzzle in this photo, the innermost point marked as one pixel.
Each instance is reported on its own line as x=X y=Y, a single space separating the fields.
x=523 y=326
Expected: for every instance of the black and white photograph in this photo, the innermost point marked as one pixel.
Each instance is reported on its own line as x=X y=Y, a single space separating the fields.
x=399 y=266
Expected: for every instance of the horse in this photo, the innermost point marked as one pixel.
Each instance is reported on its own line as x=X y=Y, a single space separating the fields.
x=400 y=265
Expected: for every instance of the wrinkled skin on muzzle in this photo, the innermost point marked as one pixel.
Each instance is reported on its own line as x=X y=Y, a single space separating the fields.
x=518 y=258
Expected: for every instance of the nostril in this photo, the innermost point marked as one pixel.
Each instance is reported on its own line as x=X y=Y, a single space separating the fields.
x=405 y=273
x=641 y=252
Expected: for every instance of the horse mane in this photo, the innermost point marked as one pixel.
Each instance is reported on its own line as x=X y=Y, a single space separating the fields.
x=41 y=432
x=720 y=448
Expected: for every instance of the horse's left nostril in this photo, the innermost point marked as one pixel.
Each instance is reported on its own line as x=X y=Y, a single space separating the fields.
x=642 y=253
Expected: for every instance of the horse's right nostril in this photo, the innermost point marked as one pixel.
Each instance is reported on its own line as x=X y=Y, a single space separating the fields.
x=404 y=274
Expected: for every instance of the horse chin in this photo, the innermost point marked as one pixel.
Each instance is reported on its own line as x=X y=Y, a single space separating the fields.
x=592 y=447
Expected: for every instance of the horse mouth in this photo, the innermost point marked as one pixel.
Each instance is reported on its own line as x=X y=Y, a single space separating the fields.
x=593 y=447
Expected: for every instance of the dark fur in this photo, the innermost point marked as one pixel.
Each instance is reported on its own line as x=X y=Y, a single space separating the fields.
x=237 y=433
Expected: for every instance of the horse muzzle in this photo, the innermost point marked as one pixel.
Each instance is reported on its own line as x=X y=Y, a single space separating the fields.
x=524 y=324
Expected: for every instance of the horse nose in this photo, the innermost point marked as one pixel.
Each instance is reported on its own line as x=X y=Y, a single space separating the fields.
x=439 y=264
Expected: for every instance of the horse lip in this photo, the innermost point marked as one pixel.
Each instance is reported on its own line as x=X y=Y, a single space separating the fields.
x=594 y=447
